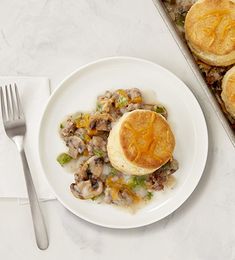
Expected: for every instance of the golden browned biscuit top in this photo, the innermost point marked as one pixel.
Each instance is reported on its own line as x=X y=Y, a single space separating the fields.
x=231 y=88
x=146 y=139
x=210 y=26
x=228 y=93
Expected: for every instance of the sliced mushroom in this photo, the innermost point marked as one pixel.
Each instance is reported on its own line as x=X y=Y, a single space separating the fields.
x=76 y=146
x=158 y=179
x=174 y=166
x=134 y=93
x=80 y=132
x=97 y=143
x=82 y=173
x=101 y=122
x=115 y=113
x=169 y=168
x=96 y=166
x=131 y=107
x=87 y=189
x=67 y=129
x=92 y=168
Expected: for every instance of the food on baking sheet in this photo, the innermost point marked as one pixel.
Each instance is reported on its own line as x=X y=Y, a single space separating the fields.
x=208 y=26
x=228 y=91
x=210 y=31
x=121 y=153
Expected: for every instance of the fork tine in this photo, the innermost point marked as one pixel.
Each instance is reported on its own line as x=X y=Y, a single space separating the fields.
x=20 y=112
x=4 y=116
x=9 y=111
x=13 y=103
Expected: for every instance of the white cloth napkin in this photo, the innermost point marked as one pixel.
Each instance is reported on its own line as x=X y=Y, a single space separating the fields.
x=34 y=93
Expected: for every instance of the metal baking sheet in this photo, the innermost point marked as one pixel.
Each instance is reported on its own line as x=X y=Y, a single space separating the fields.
x=194 y=67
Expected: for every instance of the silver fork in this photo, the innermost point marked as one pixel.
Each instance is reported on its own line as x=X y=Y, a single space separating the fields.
x=15 y=127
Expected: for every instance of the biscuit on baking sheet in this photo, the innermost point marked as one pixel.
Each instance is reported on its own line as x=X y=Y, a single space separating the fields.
x=228 y=91
x=140 y=142
x=210 y=31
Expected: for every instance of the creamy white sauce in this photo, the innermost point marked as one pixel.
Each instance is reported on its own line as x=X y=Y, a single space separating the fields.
x=149 y=96
x=73 y=165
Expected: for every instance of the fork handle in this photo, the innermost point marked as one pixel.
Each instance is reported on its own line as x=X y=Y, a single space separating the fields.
x=38 y=222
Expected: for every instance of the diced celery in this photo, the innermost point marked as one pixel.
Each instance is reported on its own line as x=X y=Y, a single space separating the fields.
x=63 y=159
x=99 y=153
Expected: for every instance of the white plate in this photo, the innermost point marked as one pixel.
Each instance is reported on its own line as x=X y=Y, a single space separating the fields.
x=79 y=92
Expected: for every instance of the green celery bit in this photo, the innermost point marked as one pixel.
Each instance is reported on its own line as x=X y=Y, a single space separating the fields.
x=61 y=126
x=63 y=159
x=98 y=153
x=122 y=101
x=180 y=17
x=180 y=21
x=113 y=171
x=160 y=110
x=137 y=181
x=95 y=198
x=149 y=195
x=98 y=107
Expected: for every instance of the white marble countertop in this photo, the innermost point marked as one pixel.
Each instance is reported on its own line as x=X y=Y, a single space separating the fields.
x=52 y=38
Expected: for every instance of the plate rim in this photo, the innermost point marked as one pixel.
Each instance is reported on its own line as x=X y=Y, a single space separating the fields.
x=186 y=194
